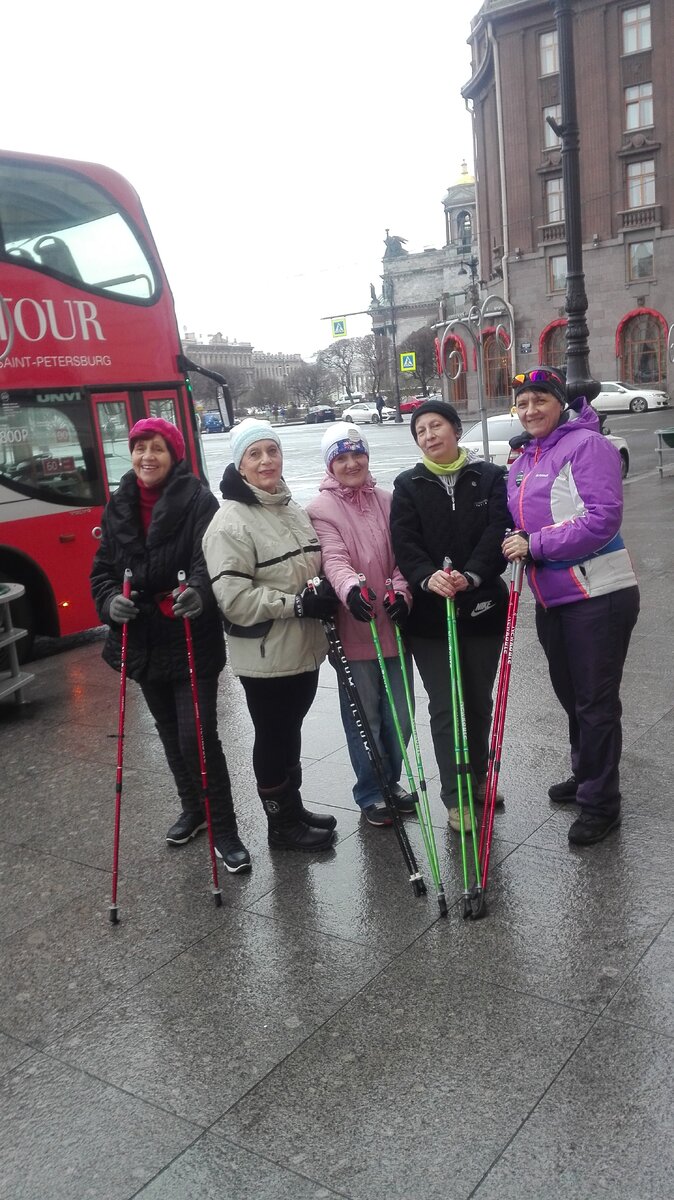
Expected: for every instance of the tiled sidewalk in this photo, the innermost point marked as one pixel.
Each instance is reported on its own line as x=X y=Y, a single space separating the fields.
x=325 y=1033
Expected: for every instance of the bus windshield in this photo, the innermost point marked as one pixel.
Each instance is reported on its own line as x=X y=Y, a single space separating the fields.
x=55 y=220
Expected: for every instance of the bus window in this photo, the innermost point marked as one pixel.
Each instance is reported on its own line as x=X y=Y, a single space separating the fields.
x=163 y=408
x=113 y=424
x=70 y=226
x=47 y=453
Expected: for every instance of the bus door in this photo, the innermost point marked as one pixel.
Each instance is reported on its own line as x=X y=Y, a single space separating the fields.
x=116 y=412
x=169 y=403
x=112 y=421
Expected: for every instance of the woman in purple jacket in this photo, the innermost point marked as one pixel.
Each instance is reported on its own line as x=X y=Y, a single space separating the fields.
x=566 y=499
x=351 y=518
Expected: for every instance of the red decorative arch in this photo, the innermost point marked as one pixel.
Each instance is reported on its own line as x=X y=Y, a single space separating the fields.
x=489 y=330
x=458 y=344
x=637 y=312
x=544 y=333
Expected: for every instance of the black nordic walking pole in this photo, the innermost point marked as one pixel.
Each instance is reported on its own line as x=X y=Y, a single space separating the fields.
x=473 y=898
x=348 y=684
x=114 y=915
x=498 y=724
x=423 y=807
x=217 y=894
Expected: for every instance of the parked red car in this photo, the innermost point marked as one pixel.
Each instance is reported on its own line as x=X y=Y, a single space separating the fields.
x=411 y=402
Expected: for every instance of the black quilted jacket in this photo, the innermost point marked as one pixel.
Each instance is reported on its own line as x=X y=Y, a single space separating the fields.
x=428 y=524
x=156 y=644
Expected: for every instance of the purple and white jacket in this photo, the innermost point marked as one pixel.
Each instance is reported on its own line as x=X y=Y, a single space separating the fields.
x=566 y=491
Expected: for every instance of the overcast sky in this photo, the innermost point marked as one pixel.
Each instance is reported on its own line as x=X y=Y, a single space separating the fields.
x=271 y=143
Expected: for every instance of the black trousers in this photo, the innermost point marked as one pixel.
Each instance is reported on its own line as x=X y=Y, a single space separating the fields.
x=586 y=646
x=278 y=707
x=172 y=707
x=479 y=664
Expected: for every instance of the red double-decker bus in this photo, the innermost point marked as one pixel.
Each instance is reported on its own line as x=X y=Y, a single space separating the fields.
x=88 y=345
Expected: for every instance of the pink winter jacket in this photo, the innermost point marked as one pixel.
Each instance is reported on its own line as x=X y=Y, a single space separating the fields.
x=353 y=529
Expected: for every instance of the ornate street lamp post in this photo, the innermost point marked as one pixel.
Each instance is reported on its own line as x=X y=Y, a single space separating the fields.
x=473 y=267
x=578 y=374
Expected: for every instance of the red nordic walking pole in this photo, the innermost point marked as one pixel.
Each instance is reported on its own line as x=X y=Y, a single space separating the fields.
x=498 y=724
x=217 y=894
x=114 y=915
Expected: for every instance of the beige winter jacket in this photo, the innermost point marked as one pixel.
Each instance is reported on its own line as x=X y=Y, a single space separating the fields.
x=261 y=550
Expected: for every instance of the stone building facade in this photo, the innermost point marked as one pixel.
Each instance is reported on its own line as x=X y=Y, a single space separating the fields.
x=275 y=366
x=219 y=354
x=625 y=102
x=424 y=288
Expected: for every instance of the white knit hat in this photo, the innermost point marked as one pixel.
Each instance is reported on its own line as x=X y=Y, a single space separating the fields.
x=249 y=431
x=342 y=438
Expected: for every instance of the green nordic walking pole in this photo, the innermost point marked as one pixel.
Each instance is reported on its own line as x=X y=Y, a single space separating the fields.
x=423 y=808
x=472 y=899
x=432 y=861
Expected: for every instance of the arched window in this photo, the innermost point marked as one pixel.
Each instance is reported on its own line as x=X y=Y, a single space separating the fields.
x=458 y=392
x=496 y=367
x=552 y=344
x=464 y=230
x=641 y=347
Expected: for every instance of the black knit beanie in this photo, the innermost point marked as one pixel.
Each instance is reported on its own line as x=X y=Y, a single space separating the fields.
x=437 y=406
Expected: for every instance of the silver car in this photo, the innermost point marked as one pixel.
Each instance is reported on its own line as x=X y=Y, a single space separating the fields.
x=627 y=397
x=501 y=427
x=365 y=413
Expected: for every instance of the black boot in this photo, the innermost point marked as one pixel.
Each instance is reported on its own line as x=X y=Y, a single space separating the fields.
x=316 y=820
x=287 y=830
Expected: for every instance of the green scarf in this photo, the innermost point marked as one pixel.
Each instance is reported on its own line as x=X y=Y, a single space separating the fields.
x=446 y=469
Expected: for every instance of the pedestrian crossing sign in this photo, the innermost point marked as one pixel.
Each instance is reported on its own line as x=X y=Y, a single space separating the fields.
x=408 y=361
x=339 y=326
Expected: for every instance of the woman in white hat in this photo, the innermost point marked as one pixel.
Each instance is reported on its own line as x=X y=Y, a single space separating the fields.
x=261 y=549
x=351 y=517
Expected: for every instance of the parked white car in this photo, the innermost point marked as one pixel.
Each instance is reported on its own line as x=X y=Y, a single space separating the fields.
x=365 y=413
x=501 y=427
x=627 y=397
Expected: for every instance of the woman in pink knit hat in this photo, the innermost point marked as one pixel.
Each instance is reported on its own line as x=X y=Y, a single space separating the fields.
x=154 y=524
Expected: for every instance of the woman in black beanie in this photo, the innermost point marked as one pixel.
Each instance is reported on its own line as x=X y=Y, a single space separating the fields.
x=453 y=504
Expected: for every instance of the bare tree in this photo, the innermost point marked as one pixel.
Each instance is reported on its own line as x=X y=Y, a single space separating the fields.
x=372 y=352
x=339 y=358
x=312 y=383
x=268 y=393
x=422 y=343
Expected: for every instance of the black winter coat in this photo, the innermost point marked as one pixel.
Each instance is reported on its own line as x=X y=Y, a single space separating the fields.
x=427 y=525
x=156 y=644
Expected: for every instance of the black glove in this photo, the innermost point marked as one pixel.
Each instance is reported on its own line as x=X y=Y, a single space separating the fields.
x=122 y=608
x=319 y=603
x=187 y=603
x=396 y=609
x=358 y=606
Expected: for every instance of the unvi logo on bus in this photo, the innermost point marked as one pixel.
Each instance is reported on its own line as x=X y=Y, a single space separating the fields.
x=26 y=323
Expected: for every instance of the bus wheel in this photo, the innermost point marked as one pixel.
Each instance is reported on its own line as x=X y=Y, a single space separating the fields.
x=22 y=618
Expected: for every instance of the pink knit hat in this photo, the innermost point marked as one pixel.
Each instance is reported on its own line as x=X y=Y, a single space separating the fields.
x=170 y=433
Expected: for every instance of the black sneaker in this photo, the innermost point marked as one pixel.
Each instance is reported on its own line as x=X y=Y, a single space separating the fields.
x=188 y=825
x=376 y=814
x=403 y=801
x=592 y=826
x=563 y=793
x=230 y=848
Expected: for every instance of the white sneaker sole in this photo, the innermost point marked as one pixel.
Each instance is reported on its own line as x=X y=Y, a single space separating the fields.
x=183 y=841
x=246 y=866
